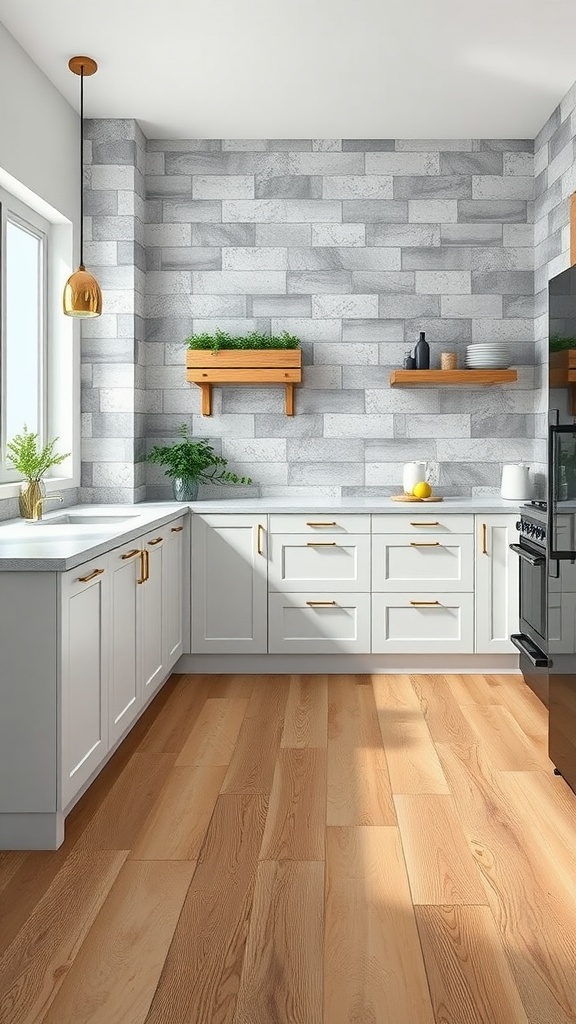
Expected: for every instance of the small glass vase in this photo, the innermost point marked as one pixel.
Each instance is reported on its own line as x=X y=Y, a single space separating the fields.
x=30 y=493
x=185 y=488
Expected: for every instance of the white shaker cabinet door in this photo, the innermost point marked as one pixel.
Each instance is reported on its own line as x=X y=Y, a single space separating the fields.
x=125 y=695
x=403 y=562
x=319 y=623
x=299 y=563
x=229 y=584
x=422 y=623
x=85 y=598
x=153 y=612
x=497 y=586
x=175 y=575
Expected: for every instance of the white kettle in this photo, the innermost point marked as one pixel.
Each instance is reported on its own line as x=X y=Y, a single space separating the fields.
x=516 y=484
x=412 y=474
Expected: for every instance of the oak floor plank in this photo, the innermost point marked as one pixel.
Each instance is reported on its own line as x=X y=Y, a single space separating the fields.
x=297 y=807
x=165 y=729
x=526 y=708
x=373 y=965
x=413 y=763
x=502 y=739
x=306 y=717
x=269 y=697
x=395 y=693
x=469 y=977
x=443 y=716
x=34 y=966
x=282 y=976
x=237 y=686
x=201 y=976
x=115 y=974
x=118 y=820
x=252 y=765
x=439 y=862
x=359 y=790
x=471 y=689
x=214 y=734
x=177 y=824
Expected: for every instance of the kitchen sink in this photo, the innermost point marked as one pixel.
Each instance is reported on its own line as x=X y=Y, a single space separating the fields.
x=71 y=519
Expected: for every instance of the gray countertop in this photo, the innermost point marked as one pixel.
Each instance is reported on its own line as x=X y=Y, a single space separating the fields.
x=41 y=547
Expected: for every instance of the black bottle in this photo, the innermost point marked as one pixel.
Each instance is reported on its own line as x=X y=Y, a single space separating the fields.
x=422 y=353
x=409 y=361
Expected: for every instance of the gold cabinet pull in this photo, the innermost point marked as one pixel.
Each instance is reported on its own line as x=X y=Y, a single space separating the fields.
x=321 y=604
x=424 y=524
x=91 y=576
x=130 y=554
x=260 y=539
x=156 y=540
x=484 y=539
x=425 y=544
x=321 y=544
x=176 y=529
x=144 y=566
x=424 y=604
x=321 y=524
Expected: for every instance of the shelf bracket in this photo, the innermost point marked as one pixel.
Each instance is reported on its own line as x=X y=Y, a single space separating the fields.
x=206 y=399
x=289 y=399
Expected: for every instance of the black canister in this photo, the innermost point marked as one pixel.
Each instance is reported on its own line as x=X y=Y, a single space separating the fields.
x=422 y=353
x=409 y=361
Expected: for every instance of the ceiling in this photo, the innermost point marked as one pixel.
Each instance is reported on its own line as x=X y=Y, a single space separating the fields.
x=258 y=69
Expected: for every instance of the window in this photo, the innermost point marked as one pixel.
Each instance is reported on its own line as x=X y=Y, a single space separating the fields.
x=37 y=359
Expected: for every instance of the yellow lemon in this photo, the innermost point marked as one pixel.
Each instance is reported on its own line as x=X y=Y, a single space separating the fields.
x=422 y=490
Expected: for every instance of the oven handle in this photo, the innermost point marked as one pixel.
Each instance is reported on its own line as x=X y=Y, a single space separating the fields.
x=531 y=559
x=535 y=656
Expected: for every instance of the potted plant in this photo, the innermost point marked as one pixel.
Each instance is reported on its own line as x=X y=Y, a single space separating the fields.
x=190 y=463
x=255 y=359
x=32 y=462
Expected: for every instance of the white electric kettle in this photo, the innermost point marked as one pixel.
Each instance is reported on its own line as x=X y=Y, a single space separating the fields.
x=516 y=484
x=412 y=474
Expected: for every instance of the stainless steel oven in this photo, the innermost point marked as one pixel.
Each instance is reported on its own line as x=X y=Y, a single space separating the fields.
x=532 y=640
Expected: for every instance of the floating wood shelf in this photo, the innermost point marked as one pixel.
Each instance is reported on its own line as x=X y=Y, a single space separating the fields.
x=439 y=378
x=244 y=366
x=563 y=372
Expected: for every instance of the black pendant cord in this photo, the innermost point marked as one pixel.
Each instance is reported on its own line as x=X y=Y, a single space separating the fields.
x=82 y=166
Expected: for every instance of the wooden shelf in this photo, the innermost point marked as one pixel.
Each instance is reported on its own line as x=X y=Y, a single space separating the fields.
x=239 y=366
x=440 y=378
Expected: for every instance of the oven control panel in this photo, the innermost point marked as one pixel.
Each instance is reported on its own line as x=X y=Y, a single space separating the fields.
x=532 y=530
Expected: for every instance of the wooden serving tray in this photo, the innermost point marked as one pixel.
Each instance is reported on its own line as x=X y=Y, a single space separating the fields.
x=410 y=497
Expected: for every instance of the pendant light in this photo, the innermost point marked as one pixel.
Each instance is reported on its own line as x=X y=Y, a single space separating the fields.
x=82 y=296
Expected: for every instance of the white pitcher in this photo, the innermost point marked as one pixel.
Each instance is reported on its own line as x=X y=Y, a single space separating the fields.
x=412 y=474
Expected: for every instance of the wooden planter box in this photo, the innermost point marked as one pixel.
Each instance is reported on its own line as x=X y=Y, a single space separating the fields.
x=238 y=366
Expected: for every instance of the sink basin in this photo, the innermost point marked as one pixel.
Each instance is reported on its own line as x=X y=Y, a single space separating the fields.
x=71 y=519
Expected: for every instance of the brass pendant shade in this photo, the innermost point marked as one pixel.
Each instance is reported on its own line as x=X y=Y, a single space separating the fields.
x=82 y=295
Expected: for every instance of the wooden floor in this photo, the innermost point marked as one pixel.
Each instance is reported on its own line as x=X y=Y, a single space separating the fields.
x=307 y=850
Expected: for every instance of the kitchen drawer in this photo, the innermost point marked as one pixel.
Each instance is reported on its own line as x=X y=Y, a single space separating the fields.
x=436 y=626
x=422 y=518
x=405 y=563
x=315 y=623
x=320 y=523
x=297 y=562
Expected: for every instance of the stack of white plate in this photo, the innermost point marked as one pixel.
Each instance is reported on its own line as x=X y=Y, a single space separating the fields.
x=487 y=357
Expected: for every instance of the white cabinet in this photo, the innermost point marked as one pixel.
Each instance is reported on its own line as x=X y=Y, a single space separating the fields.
x=85 y=637
x=316 y=623
x=229 y=584
x=124 y=692
x=176 y=558
x=497 y=595
x=298 y=562
x=152 y=612
x=402 y=562
x=422 y=624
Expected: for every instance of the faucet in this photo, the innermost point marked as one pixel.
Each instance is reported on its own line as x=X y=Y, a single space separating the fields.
x=37 y=513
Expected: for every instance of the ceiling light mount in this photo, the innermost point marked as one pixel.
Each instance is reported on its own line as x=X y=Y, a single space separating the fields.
x=82 y=295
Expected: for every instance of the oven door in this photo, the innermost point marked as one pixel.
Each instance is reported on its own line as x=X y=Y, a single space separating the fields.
x=533 y=594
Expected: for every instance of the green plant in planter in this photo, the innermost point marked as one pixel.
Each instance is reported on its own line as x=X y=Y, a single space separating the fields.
x=190 y=463
x=221 y=340
x=558 y=343
x=32 y=462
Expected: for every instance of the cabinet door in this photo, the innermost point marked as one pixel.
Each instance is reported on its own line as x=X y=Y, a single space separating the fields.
x=175 y=574
x=229 y=584
x=405 y=562
x=422 y=624
x=153 y=613
x=299 y=563
x=319 y=624
x=85 y=600
x=125 y=695
x=496 y=584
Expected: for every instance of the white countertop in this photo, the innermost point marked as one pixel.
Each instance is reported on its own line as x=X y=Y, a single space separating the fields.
x=41 y=547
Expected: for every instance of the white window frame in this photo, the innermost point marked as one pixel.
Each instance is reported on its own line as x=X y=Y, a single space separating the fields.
x=60 y=359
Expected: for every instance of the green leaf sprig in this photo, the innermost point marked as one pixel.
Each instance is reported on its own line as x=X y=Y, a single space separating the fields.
x=255 y=340
x=28 y=458
x=195 y=460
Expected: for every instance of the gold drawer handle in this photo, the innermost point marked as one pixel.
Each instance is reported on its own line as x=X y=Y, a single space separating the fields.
x=425 y=544
x=484 y=539
x=91 y=576
x=321 y=544
x=144 y=566
x=130 y=554
x=176 y=529
x=321 y=524
x=424 y=524
x=260 y=539
x=321 y=604
x=155 y=541
x=424 y=604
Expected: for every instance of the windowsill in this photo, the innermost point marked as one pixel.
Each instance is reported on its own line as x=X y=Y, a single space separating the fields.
x=12 y=490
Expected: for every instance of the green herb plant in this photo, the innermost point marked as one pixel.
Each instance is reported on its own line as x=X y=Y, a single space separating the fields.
x=194 y=460
x=29 y=459
x=558 y=343
x=221 y=339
